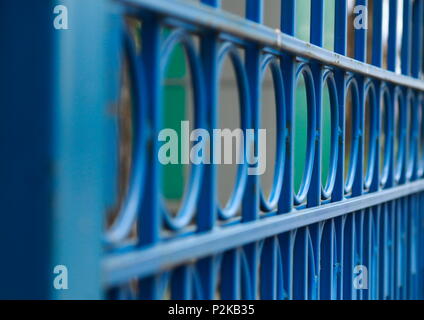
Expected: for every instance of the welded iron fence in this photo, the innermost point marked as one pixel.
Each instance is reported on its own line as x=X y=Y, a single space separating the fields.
x=311 y=243
x=306 y=244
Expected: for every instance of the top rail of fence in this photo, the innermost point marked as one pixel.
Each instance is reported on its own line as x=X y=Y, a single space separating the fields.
x=219 y=20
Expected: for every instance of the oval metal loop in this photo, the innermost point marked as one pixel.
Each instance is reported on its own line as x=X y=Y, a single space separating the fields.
x=352 y=83
x=386 y=100
x=270 y=61
x=399 y=164
x=188 y=205
x=304 y=70
x=374 y=132
x=412 y=133
x=327 y=190
x=234 y=202
x=121 y=228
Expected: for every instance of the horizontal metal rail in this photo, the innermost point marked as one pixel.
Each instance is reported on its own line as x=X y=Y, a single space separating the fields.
x=219 y=20
x=118 y=268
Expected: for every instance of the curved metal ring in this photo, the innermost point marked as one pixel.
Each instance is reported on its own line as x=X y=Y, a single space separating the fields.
x=385 y=100
x=121 y=228
x=306 y=72
x=327 y=190
x=191 y=194
x=374 y=133
x=234 y=202
x=272 y=62
x=412 y=135
x=401 y=135
x=352 y=84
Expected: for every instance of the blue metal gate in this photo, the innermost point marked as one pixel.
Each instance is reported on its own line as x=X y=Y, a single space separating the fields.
x=302 y=245
x=306 y=244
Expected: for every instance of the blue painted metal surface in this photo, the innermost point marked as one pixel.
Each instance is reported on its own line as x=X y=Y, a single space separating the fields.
x=25 y=135
x=85 y=87
x=57 y=91
x=297 y=244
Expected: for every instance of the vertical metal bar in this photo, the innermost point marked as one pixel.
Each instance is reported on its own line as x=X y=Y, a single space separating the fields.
x=376 y=253
x=230 y=275
x=286 y=247
x=340 y=27
x=404 y=243
x=209 y=49
x=340 y=40
x=399 y=250
x=406 y=37
x=405 y=264
x=392 y=39
x=254 y=12
x=349 y=249
x=377 y=57
x=268 y=267
x=88 y=75
x=314 y=194
x=316 y=24
x=361 y=55
x=412 y=247
x=340 y=224
x=206 y=216
x=288 y=17
x=420 y=237
x=149 y=223
x=377 y=33
x=208 y=278
x=358 y=184
x=181 y=284
x=358 y=260
x=314 y=260
x=384 y=268
x=417 y=38
x=300 y=265
x=361 y=37
x=393 y=250
x=327 y=270
x=420 y=246
x=407 y=216
x=288 y=13
x=367 y=247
